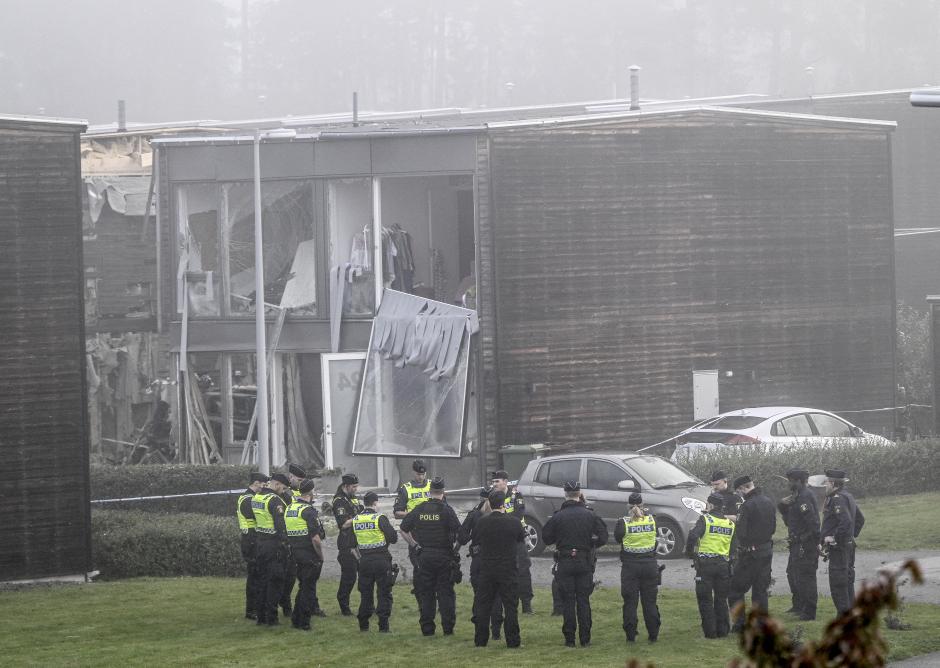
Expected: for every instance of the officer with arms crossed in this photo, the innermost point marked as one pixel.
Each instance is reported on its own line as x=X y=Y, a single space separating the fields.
x=710 y=548
x=801 y=515
x=412 y=494
x=498 y=535
x=246 y=524
x=576 y=532
x=515 y=505
x=639 y=572
x=346 y=505
x=268 y=508
x=431 y=529
x=304 y=532
x=372 y=534
x=757 y=521
x=842 y=523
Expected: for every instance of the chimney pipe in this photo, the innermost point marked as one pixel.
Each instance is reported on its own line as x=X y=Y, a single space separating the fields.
x=634 y=87
x=355 y=109
x=122 y=116
x=810 y=81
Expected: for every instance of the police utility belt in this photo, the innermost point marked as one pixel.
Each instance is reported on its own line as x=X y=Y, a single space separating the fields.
x=757 y=548
x=572 y=553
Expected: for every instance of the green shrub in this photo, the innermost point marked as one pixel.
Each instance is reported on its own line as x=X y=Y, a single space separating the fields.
x=128 y=544
x=874 y=470
x=115 y=482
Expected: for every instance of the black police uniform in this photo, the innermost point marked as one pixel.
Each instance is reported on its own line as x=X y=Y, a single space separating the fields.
x=498 y=536
x=467 y=534
x=754 y=530
x=345 y=507
x=308 y=566
x=800 y=513
x=434 y=526
x=248 y=547
x=376 y=579
x=270 y=549
x=290 y=569
x=712 y=578
x=843 y=521
x=576 y=532
x=516 y=506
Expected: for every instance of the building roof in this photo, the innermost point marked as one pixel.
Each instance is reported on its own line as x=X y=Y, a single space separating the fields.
x=50 y=122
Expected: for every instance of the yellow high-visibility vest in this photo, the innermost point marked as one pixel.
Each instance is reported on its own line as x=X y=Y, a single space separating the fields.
x=717 y=539
x=639 y=535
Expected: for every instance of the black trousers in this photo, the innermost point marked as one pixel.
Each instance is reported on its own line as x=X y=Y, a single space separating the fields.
x=524 y=565
x=712 y=577
x=415 y=567
x=253 y=574
x=842 y=576
x=348 y=568
x=434 y=587
x=375 y=581
x=270 y=557
x=801 y=576
x=752 y=571
x=575 y=580
x=308 y=567
x=639 y=582
x=496 y=613
x=497 y=580
x=290 y=578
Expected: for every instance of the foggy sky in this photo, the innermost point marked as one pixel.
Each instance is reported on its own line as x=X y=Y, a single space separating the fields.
x=209 y=59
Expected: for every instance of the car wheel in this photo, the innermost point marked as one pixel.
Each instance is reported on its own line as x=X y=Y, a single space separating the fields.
x=533 y=537
x=669 y=541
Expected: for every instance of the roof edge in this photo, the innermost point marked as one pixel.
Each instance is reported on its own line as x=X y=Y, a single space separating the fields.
x=51 y=121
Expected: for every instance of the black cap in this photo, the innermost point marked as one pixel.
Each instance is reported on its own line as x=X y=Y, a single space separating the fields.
x=257 y=476
x=281 y=478
x=484 y=492
x=718 y=475
x=502 y=475
x=496 y=499
x=742 y=480
x=418 y=466
x=835 y=474
x=717 y=500
x=572 y=486
x=370 y=498
x=306 y=486
x=437 y=483
x=350 y=479
x=798 y=474
x=293 y=469
x=635 y=499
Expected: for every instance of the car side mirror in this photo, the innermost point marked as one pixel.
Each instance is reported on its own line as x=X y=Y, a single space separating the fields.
x=626 y=484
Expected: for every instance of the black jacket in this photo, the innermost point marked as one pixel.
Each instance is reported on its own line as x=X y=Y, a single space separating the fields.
x=498 y=536
x=757 y=521
x=433 y=524
x=345 y=507
x=574 y=526
x=800 y=513
x=841 y=518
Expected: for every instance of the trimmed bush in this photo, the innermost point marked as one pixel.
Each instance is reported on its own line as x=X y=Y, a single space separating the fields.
x=874 y=470
x=127 y=544
x=112 y=482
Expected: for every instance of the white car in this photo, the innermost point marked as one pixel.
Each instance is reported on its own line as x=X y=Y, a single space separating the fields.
x=778 y=426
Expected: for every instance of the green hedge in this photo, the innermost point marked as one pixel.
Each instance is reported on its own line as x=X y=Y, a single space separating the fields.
x=874 y=470
x=128 y=544
x=115 y=482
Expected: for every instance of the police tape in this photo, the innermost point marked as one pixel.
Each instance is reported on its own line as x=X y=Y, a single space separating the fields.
x=160 y=497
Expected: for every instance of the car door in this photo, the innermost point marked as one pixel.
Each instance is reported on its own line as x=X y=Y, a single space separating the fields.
x=602 y=492
x=793 y=430
x=829 y=428
x=546 y=492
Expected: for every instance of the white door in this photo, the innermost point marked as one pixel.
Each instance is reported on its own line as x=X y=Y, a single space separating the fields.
x=341 y=378
x=704 y=394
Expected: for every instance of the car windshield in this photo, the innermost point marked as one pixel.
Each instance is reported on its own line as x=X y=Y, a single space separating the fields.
x=661 y=473
x=736 y=422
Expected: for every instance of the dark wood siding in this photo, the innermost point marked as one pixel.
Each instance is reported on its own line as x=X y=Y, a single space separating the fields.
x=43 y=437
x=628 y=256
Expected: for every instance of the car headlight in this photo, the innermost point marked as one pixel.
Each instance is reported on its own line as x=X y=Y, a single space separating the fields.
x=693 y=504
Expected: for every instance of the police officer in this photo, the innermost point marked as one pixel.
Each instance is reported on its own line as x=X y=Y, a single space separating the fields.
x=754 y=530
x=410 y=495
x=710 y=548
x=270 y=548
x=246 y=524
x=372 y=534
x=304 y=533
x=515 y=505
x=498 y=534
x=467 y=534
x=346 y=505
x=800 y=513
x=295 y=476
x=431 y=528
x=639 y=572
x=576 y=532
x=731 y=501
x=842 y=523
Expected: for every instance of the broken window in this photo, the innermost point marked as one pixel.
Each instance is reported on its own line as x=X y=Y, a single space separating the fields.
x=349 y=212
x=197 y=212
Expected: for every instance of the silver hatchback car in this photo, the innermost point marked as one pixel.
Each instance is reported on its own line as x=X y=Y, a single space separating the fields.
x=674 y=496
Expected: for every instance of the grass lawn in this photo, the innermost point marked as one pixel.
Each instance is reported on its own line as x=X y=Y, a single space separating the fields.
x=199 y=621
x=892 y=523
